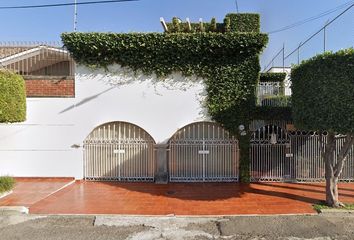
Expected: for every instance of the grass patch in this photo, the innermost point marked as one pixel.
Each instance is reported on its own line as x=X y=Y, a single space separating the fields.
x=322 y=205
x=6 y=184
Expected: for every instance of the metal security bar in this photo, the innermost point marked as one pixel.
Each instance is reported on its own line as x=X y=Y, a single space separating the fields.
x=268 y=154
x=267 y=89
x=277 y=155
x=203 y=152
x=119 y=151
x=36 y=59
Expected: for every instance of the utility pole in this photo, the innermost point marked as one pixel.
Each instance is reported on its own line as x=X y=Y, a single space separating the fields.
x=75 y=15
x=298 y=53
x=324 y=36
x=236 y=6
x=283 y=57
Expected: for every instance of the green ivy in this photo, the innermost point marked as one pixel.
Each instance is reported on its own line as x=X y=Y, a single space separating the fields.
x=228 y=62
x=12 y=97
x=272 y=77
x=244 y=22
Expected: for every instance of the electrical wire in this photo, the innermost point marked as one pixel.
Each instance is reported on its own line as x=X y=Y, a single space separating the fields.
x=64 y=4
x=313 y=35
x=310 y=19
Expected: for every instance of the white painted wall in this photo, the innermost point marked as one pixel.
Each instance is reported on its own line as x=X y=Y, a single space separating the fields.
x=41 y=146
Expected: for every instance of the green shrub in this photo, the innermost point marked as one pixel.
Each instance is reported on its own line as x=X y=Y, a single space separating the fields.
x=323 y=92
x=12 y=97
x=6 y=184
x=272 y=77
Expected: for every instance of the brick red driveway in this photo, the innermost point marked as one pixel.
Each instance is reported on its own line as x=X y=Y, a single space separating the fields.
x=186 y=199
x=31 y=190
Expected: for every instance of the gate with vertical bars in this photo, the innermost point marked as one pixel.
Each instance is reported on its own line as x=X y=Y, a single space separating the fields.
x=278 y=155
x=119 y=151
x=203 y=152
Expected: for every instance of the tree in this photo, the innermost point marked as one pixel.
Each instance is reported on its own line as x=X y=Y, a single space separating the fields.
x=323 y=101
x=12 y=97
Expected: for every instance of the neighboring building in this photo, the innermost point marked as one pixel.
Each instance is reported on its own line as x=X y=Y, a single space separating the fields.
x=48 y=70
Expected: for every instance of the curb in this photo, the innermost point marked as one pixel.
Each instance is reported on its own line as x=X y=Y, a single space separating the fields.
x=4 y=194
x=334 y=211
x=13 y=210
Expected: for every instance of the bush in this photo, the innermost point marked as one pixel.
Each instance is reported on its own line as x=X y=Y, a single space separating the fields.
x=12 y=97
x=323 y=92
x=6 y=184
x=272 y=77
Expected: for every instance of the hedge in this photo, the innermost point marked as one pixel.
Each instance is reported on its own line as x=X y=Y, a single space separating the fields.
x=244 y=22
x=12 y=97
x=323 y=92
x=272 y=77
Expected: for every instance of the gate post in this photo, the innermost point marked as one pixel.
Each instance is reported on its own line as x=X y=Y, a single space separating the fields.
x=161 y=176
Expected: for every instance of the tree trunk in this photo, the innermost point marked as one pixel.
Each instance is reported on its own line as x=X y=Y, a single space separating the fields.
x=333 y=169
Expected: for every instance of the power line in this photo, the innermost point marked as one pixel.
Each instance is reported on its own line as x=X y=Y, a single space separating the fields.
x=309 y=38
x=64 y=4
x=310 y=19
x=313 y=35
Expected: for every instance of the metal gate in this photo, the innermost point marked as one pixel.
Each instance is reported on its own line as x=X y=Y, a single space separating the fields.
x=203 y=151
x=276 y=155
x=269 y=154
x=119 y=151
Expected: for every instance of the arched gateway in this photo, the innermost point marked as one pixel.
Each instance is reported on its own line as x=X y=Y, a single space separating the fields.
x=203 y=151
x=119 y=151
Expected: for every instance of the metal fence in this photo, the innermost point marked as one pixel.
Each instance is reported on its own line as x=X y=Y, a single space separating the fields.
x=36 y=59
x=203 y=152
x=277 y=155
x=119 y=151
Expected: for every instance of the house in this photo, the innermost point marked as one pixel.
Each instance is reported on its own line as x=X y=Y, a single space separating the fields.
x=110 y=122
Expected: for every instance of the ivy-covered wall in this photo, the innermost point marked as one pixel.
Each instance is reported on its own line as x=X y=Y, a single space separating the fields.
x=229 y=63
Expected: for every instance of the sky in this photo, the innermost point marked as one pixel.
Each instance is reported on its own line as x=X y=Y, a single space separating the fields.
x=46 y=24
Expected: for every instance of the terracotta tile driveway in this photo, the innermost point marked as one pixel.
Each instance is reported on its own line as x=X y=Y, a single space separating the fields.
x=186 y=199
x=31 y=190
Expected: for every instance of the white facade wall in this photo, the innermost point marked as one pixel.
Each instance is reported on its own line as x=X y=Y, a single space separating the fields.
x=41 y=146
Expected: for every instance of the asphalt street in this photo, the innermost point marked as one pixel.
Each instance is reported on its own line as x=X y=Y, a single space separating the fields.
x=281 y=227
